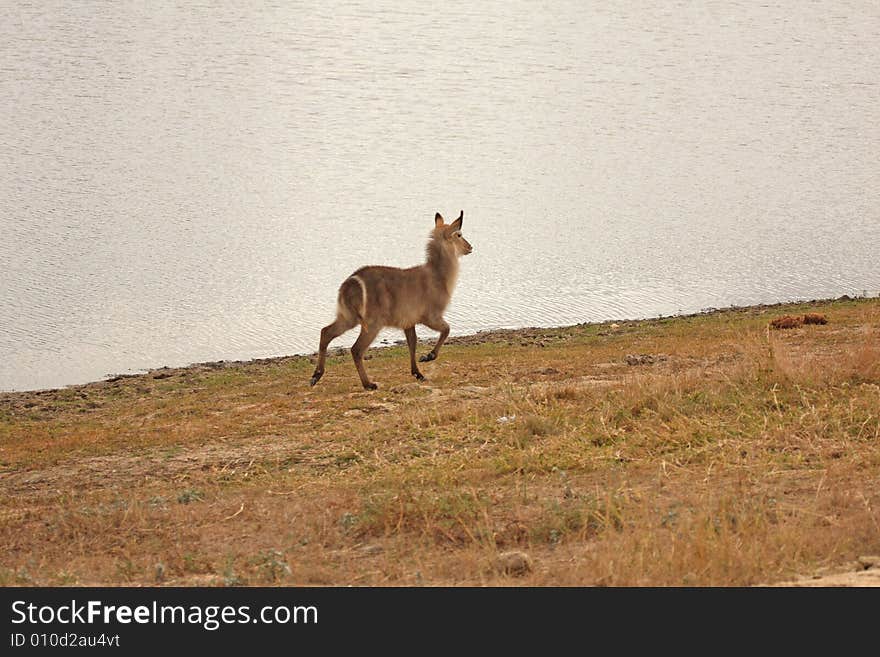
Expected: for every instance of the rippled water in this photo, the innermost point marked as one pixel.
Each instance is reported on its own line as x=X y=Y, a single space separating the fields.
x=181 y=184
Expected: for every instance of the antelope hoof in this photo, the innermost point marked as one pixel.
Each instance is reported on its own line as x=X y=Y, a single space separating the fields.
x=370 y=386
x=419 y=376
x=315 y=378
x=428 y=357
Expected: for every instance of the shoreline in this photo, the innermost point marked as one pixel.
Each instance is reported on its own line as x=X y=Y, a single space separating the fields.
x=487 y=335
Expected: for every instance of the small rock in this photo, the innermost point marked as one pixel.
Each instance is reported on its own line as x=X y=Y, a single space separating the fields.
x=504 y=419
x=405 y=387
x=514 y=563
x=471 y=392
x=868 y=562
x=643 y=359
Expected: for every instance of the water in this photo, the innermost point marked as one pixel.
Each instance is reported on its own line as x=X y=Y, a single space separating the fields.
x=190 y=183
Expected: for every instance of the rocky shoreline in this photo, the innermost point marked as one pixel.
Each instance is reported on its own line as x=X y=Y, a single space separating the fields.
x=526 y=336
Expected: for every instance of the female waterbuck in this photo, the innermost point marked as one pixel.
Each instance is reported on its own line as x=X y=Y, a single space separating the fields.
x=376 y=297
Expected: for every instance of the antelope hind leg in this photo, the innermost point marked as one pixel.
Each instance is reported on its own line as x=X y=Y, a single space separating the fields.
x=328 y=334
x=357 y=353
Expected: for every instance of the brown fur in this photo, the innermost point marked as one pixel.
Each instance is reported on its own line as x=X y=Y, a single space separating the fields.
x=400 y=298
x=815 y=318
x=786 y=322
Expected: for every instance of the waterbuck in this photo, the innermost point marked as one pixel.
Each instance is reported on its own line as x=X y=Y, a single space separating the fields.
x=376 y=297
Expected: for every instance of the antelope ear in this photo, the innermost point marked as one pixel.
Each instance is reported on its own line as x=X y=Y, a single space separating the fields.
x=438 y=220
x=456 y=225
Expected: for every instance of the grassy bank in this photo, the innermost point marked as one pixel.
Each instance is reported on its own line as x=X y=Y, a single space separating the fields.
x=703 y=450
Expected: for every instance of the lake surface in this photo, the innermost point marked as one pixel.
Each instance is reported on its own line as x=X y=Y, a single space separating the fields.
x=190 y=183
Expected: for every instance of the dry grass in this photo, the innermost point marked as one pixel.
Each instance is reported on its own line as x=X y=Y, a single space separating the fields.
x=742 y=456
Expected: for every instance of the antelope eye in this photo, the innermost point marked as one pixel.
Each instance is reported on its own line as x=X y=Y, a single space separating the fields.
x=458 y=233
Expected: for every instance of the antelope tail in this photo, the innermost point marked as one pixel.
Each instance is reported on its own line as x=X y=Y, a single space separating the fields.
x=351 y=304
x=362 y=312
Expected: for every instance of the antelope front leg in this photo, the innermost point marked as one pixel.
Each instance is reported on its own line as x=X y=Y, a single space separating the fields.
x=443 y=327
x=411 y=343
